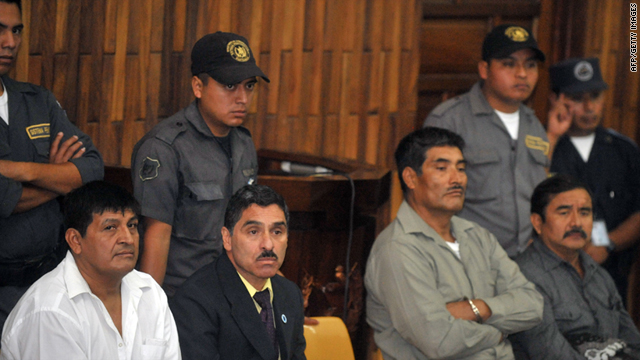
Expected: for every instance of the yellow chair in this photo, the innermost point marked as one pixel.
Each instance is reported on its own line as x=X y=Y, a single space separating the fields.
x=329 y=340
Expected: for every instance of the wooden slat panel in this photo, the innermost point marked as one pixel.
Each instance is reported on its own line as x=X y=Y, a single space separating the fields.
x=179 y=24
x=120 y=66
x=117 y=110
x=62 y=11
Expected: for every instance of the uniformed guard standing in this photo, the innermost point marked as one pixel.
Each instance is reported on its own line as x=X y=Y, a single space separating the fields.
x=507 y=149
x=188 y=166
x=608 y=162
x=42 y=156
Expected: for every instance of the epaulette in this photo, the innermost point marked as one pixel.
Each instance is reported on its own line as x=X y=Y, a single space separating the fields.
x=616 y=134
x=171 y=131
x=446 y=106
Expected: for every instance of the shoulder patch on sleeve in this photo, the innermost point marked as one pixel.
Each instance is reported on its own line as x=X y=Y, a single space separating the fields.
x=149 y=169
x=170 y=132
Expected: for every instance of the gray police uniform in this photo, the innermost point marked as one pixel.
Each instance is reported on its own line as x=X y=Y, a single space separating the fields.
x=502 y=172
x=30 y=240
x=183 y=177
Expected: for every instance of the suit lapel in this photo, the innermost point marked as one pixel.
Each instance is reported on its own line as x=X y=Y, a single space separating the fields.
x=243 y=309
x=284 y=318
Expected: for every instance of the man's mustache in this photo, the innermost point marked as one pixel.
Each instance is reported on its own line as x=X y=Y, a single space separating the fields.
x=268 y=254
x=456 y=187
x=575 y=230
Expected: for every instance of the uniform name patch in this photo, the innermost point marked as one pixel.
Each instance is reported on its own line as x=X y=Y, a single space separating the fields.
x=149 y=169
x=39 y=131
x=536 y=143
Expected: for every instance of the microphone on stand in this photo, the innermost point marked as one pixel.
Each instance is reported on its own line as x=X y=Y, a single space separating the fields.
x=303 y=169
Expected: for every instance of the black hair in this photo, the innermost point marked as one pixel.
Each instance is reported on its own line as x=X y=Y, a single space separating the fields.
x=544 y=193
x=204 y=77
x=248 y=195
x=95 y=197
x=412 y=150
x=17 y=2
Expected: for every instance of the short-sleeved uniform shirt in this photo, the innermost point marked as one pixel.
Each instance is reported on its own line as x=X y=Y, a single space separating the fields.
x=502 y=172
x=183 y=177
x=612 y=173
x=35 y=117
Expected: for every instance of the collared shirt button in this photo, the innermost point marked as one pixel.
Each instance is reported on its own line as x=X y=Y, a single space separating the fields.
x=120 y=345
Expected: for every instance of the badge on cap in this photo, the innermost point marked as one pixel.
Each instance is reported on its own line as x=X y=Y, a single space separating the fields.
x=583 y=71
x=149 y=169
x=239 y=51
x=516 y=33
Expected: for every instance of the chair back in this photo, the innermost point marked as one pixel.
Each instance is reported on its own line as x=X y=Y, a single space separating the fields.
x=328 y=340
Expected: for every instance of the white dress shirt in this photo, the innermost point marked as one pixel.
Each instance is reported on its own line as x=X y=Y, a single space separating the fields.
x=60 y=318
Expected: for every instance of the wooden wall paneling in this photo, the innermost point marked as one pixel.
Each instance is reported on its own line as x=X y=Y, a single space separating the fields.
x=275 y=50
x=180 y=24
x=21 y=72
x=85 y=104
x=296 y=27
x=393 y=48
x=334 y=66
x=108 y=150
x=314 y=41
x=281 y=139
x=110 y=23
x=157 y=22
x=374 y=43
x=372 y=136
x=133 y=100
x=120 y=59
x=154 y=75
x=254 y=35
x=61 y=35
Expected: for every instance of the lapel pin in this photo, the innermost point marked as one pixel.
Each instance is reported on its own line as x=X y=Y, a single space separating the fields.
x=284 y=319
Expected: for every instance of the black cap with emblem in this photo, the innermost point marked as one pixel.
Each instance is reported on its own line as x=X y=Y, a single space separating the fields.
x=506 y=39
x=576 y=76
x=226 y=57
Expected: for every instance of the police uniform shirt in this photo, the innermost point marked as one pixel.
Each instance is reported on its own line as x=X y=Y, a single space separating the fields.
x=183 y=177
x=502 y=172
x=35 y=119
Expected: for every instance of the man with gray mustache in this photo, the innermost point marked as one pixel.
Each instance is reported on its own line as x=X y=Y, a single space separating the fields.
x=583 y=313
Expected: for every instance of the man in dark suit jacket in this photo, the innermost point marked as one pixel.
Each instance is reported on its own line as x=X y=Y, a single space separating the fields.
x=217 y=314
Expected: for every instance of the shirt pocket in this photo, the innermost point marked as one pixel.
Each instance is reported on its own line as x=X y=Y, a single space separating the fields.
x=539 y=157
x=483 y=173
x=42 y=147
x=154 y=349
x=566 y=318
x=201 y=209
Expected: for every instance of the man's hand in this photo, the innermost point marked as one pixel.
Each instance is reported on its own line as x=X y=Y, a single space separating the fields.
x=598 y=253
x=559 y=117
x=70 y=149
x=558 y=120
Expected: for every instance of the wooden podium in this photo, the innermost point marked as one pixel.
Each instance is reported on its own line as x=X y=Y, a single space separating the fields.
x=319 y=209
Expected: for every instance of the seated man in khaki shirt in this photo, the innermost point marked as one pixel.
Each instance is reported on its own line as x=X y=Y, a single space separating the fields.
x=440 y=286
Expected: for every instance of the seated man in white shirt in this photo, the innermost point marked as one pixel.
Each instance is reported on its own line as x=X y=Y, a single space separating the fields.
x=94 y=305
